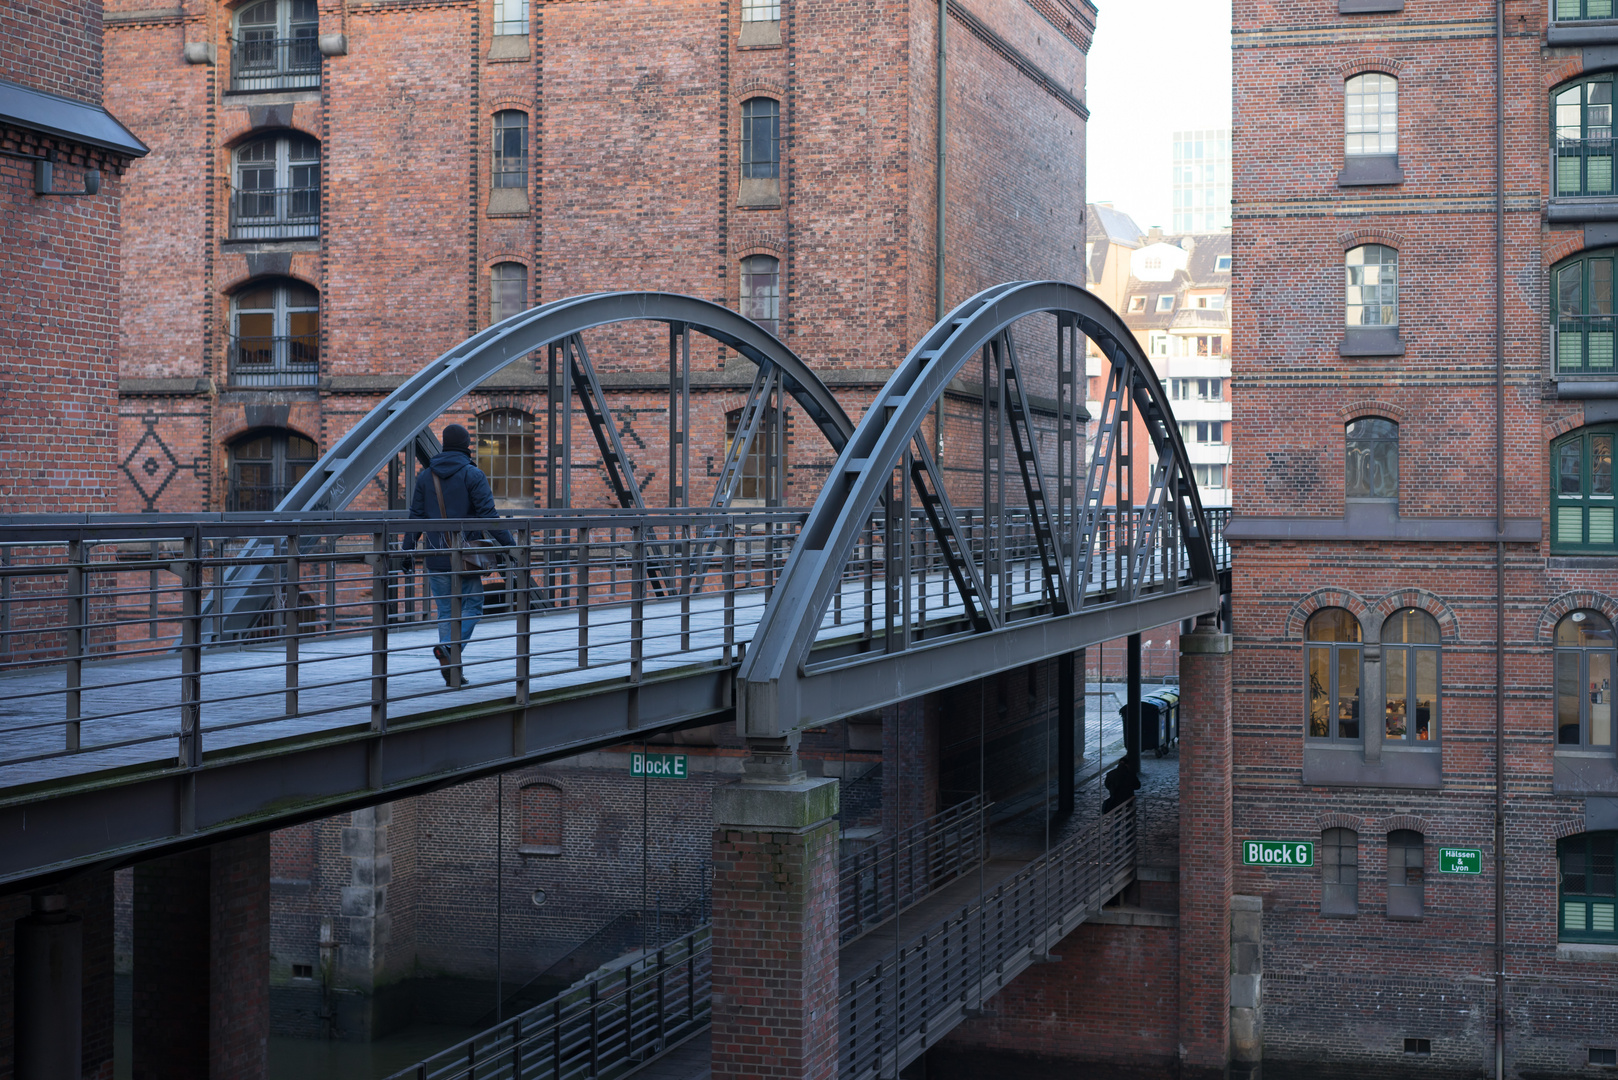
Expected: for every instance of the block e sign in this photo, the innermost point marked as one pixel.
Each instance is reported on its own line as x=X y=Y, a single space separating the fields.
x=1278 y=853
x=669 y=766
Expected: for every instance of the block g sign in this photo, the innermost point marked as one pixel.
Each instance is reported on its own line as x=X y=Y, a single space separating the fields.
x=1277 y=853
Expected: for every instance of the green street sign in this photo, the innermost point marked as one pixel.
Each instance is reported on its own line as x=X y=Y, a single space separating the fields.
x=1460 y=860
x=661 y=765
x=1277 y=853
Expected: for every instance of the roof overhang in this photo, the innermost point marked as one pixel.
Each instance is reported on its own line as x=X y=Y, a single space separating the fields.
x=65 y=118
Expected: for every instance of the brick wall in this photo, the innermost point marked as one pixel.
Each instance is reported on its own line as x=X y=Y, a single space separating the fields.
x=1112 y=1002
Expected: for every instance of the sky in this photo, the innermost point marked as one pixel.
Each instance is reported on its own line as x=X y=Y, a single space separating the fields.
x=1156 y=67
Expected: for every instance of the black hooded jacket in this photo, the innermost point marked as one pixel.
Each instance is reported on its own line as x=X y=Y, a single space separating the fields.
x=466 y=495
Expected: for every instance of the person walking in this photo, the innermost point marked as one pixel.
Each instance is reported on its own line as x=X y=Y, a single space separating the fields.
x=452 y=487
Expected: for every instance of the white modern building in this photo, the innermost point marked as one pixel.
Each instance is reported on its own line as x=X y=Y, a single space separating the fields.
x=1201 y=181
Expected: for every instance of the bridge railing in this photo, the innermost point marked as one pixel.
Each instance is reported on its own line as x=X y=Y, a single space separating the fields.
x=902 y=869
x=901 y=1005
x=112 y=634
x=602 y=1027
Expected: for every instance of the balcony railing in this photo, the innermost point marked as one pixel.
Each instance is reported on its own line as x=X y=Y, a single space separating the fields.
x=1584 y=166
x=275 y=213
x=1581 y=10
x=1584 y=344
x=275 y=361
x=275 y=63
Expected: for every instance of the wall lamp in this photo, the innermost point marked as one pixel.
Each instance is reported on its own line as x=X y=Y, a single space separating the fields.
x=44 y=178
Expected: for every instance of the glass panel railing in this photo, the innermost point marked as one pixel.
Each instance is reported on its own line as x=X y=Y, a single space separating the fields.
x=1585 y=344
x=1584 y=166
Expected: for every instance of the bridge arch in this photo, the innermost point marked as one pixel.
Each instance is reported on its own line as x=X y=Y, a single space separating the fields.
x=781 y=689
x=408 y=412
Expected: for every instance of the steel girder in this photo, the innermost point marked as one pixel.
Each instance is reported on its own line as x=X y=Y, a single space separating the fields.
x=778 y=692
x=404 y=417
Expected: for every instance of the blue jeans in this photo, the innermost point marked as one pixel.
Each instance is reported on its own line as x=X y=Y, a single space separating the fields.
x=471 y=603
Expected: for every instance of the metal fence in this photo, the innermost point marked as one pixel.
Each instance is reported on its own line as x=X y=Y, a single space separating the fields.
x=878 y=881
x=264 y=63
x=287 y=360
x=603 y=1027
x=898 y=1007
x=290 y=213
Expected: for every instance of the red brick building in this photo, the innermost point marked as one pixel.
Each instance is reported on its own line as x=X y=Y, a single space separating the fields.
x=341 y=192
x=1423 y=386
x=62 y=159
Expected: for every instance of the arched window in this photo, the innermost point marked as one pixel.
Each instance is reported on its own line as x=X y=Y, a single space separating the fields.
x=276 y=46
x=1410 y=666
x=1583 y=119
x=1373 y=286
x=1587 y=889
x=1333 y=672
x=1582 y=511
x=264 y=466
x=1339 y=872
x=506 y=455
x=275 y=334
x=508 y=290
x=540 y=809
x=277 y=192
x=1584 y=313
x=761 y=291
x=1371 y=459
x=1371 y=114
x=1407 y=871
x=1584 y=660
x=511 y=149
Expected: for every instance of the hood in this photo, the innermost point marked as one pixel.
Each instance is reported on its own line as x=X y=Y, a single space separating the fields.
x=449 y=463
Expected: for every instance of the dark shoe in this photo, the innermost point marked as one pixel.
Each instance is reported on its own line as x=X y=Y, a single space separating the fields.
x=441 y=654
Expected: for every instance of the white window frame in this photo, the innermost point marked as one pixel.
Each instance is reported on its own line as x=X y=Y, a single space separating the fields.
x=1165 y=302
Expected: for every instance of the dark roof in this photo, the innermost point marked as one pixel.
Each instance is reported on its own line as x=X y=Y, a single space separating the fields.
x=76 y=121
x=1205 y=252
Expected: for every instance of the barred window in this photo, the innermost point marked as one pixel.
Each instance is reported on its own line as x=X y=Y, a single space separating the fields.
x=1340 y=872
x=1371 y=459
x=275 y=334
x=1333 y=670
x=511 y=149
x=264 y=466
x=276 y=195
x=1371 y=114
x=1587 y=886
x=761 y=139
x=506 y=455
x=1373 y=286
x=1584 y=663
x=761 y=291
x=1583 y=117
x=1407 y=871
x=1582 y=491
x=508 y=290
x=511 y=18
x=541 y=830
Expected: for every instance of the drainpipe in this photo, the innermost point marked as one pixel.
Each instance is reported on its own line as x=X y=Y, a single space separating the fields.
x=1499 y=542
x=938 y=220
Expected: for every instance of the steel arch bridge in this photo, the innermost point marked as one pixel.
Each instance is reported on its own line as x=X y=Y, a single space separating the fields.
x=403 y=421
x=1098 y=566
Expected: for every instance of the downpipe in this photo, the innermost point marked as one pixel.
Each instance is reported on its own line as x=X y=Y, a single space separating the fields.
x=1499 y=542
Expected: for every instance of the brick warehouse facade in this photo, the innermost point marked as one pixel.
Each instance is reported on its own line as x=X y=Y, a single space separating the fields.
x=390 y=220
x=1369 y=729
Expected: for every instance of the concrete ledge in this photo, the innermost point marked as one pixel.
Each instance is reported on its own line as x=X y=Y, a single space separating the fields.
x=1576 y=953
x=1247 y=903
x=762 y=34
x=1370 y=170
x=794 y=807
x=509 y=47
x=182 y=387
x=1199 y=643
x=1371 y=341
x=1605 y=33
x=1583 y=389
x=1122 y=916
x=1368 y=7
x=1582 y=209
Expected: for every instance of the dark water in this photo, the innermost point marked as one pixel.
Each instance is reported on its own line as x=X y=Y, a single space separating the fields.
x=331 y=1059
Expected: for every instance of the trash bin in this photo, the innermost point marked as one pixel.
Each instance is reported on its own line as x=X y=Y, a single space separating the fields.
x=1159 y=721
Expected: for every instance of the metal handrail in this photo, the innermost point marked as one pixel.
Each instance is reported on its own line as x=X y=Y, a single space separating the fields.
x=901 y=1005
x=602 y=1027
x=900 y=870
x=282 y=360
x=1583 y=165
x=275 y=213
x=1584 y=344
x=264 y=63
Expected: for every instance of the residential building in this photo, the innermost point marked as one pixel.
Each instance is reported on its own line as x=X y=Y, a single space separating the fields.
x=1425 y=571
x=1202 y=181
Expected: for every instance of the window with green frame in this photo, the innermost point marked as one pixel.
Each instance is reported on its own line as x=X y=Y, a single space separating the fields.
x=1584 y=313
x=1588 y=891
x=1582 y=510
x=1574 y=10
x=1582 y=115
